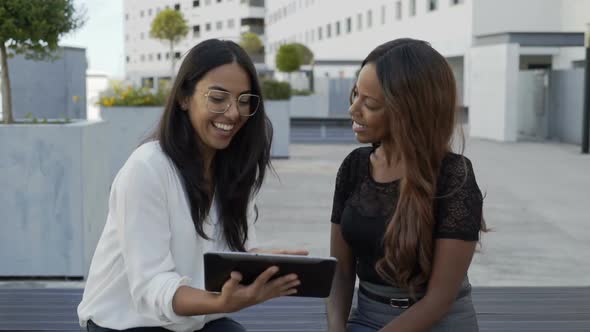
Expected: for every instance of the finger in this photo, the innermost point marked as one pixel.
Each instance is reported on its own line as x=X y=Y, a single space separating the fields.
x=265 y=276
x=232 y=283
x=299 y=252
x=290 y=285
x=284 y=280
x=288 y=292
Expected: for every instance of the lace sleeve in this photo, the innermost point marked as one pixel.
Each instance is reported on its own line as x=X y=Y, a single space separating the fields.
x=343 y=187
x=459 y=203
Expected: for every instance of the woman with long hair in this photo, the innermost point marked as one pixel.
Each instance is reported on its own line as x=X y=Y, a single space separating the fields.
x=407 y=211
x=187 y=191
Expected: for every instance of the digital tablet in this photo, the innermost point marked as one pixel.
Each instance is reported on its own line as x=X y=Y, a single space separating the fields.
x=315 y=273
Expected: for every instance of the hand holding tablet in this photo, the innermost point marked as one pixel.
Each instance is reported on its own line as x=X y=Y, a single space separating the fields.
x=315 y=274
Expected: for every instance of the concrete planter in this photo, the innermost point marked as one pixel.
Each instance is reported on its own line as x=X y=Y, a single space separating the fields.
x=53 y=203
x=128 y=127
x=278 y=112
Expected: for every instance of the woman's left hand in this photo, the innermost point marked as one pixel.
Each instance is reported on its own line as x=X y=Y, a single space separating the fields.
x=299 y=252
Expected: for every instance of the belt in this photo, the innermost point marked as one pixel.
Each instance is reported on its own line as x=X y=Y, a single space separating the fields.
x=402 y=302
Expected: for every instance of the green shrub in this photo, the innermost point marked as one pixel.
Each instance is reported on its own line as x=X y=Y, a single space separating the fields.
x=275 y=90
x=296 y=92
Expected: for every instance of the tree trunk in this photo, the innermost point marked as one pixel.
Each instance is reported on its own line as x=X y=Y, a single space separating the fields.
x=173 y=61
x=311 y=79
x=6 y=96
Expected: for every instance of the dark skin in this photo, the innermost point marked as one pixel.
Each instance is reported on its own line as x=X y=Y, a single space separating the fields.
x=451 y=257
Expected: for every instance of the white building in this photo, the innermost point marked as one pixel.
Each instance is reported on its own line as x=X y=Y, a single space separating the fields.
x=487 y=42
x=96 y=83
x=148 y=59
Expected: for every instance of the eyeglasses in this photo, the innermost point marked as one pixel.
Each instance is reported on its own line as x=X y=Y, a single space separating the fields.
x=220 y=101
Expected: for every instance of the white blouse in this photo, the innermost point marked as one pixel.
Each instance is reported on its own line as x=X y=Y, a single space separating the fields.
x=149 y=247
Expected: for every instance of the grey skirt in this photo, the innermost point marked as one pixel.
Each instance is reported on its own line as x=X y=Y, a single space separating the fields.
x=371 y=315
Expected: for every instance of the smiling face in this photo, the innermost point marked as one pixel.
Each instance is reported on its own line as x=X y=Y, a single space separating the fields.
x=370 y=122
x=216 y=130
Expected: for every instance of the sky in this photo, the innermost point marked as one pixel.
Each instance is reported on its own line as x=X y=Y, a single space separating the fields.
x=102 y=36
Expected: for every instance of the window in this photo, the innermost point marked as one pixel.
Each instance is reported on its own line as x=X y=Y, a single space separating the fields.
x=328 y=31
x=207 y=2
x=579 y=64
x=337 y=28
x=126 y=37
x=150 y=57
x=456 y=2
x=196 y=31
x=126 y=17
x=349 y=25
x=142 y=58
x=196 y=3
x=127 y=59
x=141 y=13
x=177 y=6
x=218 y=1
x=432 y=5
x=320 y=33
x=219 y=25
x=230 y=23
x=383 y=14
x=163 y=80
x=207 y=26
x=359 y=22
x=150 y=12
x=398 y=10
x=369 y=18
x=147 y=82
x=177 y=55
x=167 y=55
x=159 y=56
x=412 y=7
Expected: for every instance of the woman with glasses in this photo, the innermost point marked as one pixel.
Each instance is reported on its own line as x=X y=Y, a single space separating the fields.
x=407 y=211
x=188 y=191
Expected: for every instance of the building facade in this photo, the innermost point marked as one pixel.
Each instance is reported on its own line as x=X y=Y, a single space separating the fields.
x=488 y=43
x=147 y=60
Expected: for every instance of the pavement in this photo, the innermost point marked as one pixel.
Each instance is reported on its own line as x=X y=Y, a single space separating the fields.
x=537 y=203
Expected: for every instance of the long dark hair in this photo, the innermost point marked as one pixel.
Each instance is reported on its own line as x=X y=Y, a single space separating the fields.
x=421 y=100
x=240 y=168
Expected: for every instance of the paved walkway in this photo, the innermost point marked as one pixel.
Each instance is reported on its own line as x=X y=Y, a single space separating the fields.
x=537 y=203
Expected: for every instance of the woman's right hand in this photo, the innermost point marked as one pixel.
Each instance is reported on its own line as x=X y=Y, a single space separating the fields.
x=235 y=296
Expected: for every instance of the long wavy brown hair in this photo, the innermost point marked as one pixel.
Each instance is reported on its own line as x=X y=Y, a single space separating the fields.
x=421 y=99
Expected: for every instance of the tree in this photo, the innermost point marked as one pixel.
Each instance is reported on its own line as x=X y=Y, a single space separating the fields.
x=288 y=58
x=170 y=26
x=305 y=54
x=33 y=29
x=251 y=43
x=307 y=58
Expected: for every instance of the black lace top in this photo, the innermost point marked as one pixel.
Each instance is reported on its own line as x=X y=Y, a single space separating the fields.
x=364 y=207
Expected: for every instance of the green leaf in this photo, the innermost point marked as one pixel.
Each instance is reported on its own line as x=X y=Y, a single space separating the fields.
x=251 y=43
x=33 y=28
x=305 y=54
x=288 y=58
x=169 y=25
